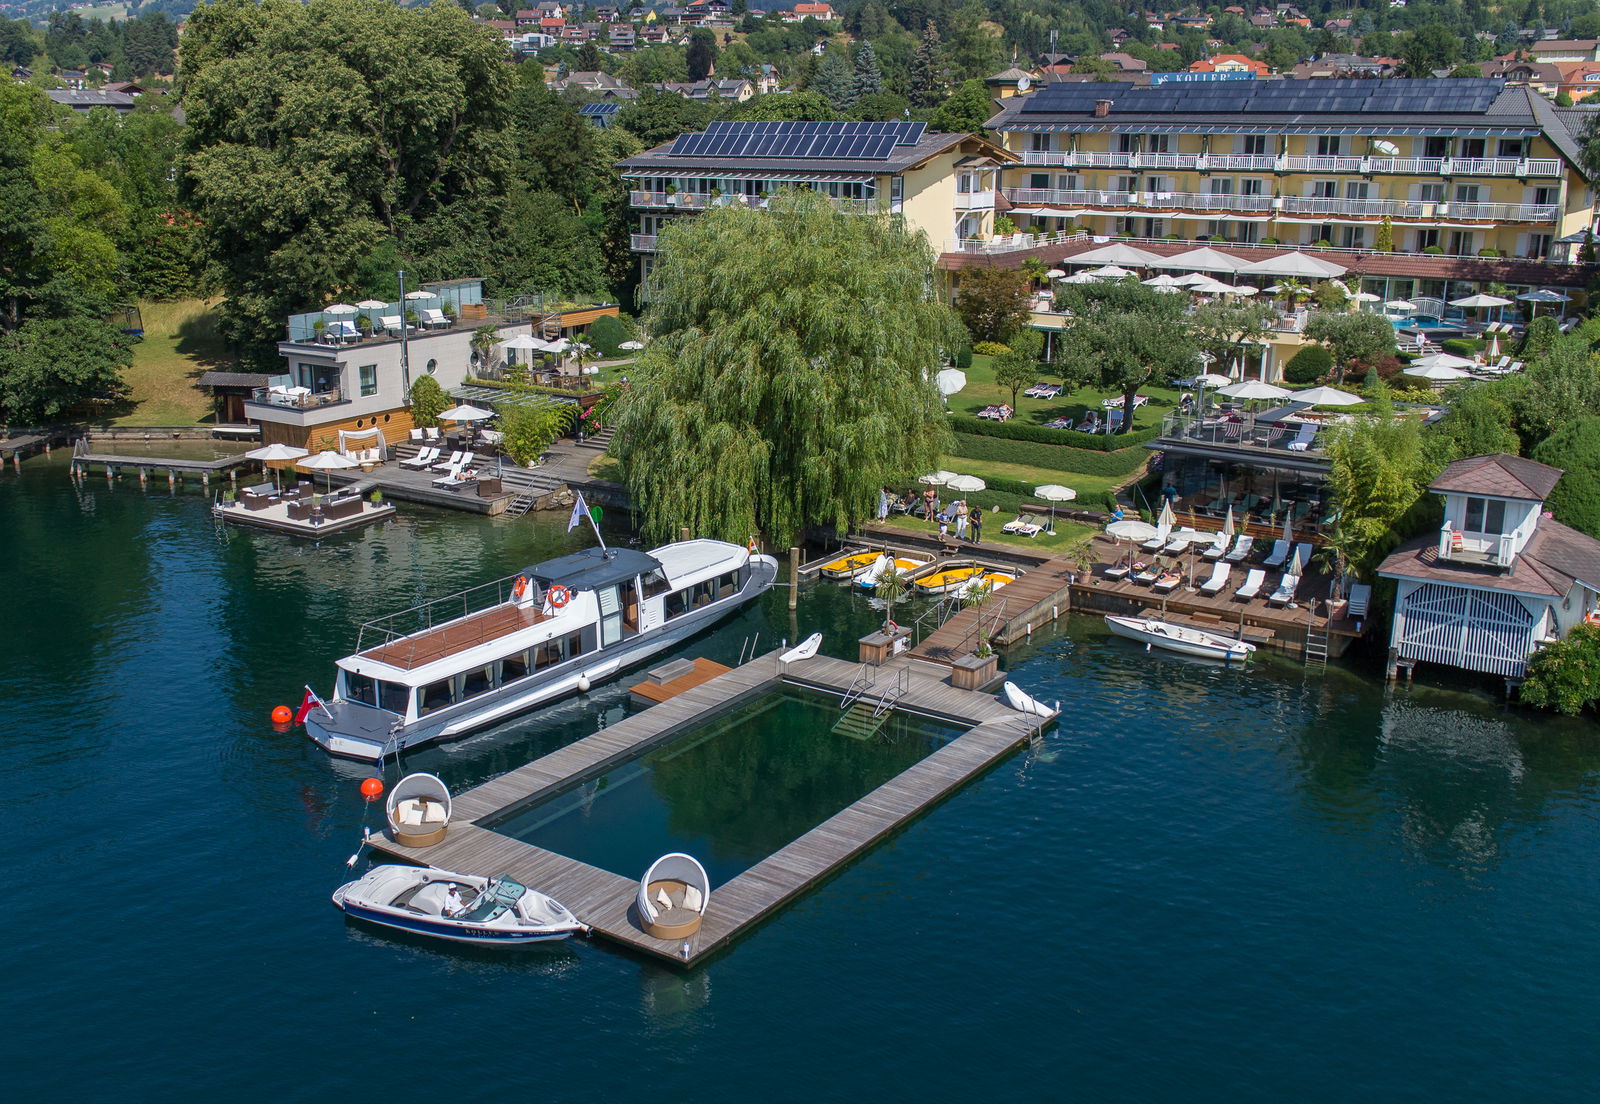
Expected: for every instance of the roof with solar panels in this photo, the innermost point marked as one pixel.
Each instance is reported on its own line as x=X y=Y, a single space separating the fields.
x=835 y=147
x=1450 y=106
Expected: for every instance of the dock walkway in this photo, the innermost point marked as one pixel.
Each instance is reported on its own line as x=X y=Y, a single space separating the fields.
x=1004 y=613
x=605 y=900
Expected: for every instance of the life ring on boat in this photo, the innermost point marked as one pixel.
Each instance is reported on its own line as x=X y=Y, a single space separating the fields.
x=519 y=588
x=890 y=627
x=558 y=595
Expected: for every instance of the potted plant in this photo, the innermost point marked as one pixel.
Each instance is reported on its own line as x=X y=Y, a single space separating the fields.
x=377 y=498
x=318 y=328
x=977 y=669
x=411 y=318
x=892 y=586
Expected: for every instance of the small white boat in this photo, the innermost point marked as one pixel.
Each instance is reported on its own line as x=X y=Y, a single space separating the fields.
x=1024 y=702
x=495 y=912
x=1179 y=638
x=900 y=561
x=806 y=649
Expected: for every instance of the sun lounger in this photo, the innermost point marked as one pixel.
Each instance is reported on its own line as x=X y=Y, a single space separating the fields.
x=1252 y=584
x=457 y=458
x=1037 y=391
x=1181 y=540
x=1147 y=575
x=1157 y=542
x=433 y=318
x=1218 y=580
x=1168 y=582
x=1304 y=551
x=1218 y=547
x=1302 y=442
x=426 y=458
x=1280 y=554
x=1241 y=548
x=1360 y=600
x=1117 y=571
x=1024 y=524
x=1285 y=592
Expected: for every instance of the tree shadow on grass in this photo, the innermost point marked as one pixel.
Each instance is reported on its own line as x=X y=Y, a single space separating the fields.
x=198 y=338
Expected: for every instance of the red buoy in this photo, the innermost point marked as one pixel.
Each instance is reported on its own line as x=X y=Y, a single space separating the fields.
x=372 y=788
x=282 y=715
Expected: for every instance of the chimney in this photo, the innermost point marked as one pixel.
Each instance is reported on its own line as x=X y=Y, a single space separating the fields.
x=1102 y=108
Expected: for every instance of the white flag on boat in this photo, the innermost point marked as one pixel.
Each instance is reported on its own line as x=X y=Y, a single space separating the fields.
x=580 y=510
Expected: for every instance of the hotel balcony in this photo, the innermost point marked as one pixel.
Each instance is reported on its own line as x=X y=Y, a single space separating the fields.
x=1233 y=162
x=974 y=201
x=1323 y=207
x=1479 y=549
x=1295 y=438
x=699 y=201
x=642 y=243
x=298 y=406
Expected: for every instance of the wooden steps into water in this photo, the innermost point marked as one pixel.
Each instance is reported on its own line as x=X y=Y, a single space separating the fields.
x=604 y=900
x=859 y=722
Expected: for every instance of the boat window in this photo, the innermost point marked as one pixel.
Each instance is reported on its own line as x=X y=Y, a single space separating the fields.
x=394 y=697
x=546 y=654
x=704 y=592
x=677 y=604
x=513 y=667
x=727 y=584
x=574 y=645
x=360 y=688
x=476 y=682
x=434 y=696
x=655 y=583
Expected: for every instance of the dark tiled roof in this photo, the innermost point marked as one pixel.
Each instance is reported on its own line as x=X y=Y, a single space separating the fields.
x=1499 y=474
x=1530 y=574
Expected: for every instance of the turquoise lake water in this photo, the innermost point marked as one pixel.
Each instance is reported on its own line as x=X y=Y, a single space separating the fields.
x=1207 y=884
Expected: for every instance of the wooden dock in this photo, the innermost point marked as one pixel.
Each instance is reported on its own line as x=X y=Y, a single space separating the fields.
x=1009 y=613
x=604 y=900
x=700 y=671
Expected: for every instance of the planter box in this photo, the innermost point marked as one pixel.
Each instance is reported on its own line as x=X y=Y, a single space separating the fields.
x=973 y=673
x=877 y=647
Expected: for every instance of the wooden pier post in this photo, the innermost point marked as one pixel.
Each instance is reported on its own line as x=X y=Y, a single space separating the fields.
x=683 y=534
x=794 y=576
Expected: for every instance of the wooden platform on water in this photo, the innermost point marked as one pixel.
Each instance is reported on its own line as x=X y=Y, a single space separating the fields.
x=702 y=671
x=1040 y=589
x=605 y=900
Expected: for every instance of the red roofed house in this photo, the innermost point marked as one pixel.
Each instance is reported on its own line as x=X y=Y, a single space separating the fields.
x=810 y=11
x=1231 y=63
x=1499 y=579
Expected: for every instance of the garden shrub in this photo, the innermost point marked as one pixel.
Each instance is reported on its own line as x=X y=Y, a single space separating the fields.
x=964 y=357
x=606 y=334
x=1308 y=365
x=1565 y=675
x=1462 y=346
x=991 y=348
x=427 y=400
x=1017 y=431
x=1575 y=448
x=1062 y=458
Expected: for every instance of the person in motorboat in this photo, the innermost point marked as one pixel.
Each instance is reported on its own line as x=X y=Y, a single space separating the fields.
x=453 y=904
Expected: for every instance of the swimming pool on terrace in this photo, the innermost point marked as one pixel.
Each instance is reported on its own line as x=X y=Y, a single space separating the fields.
x=730 y=789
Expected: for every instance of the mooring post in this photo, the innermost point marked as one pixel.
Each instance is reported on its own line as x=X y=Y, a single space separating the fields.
x=794 y=576
x=683 y=534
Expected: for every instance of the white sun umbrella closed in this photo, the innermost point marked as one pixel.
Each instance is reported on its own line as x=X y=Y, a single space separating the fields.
x=277 y=452
x=330 y=461
x=1438 y=373
x=1295 y=567
x=1227 y=523
x=1054 y=493
x=950 y=380
x=936 y=478
x=1165 y=519
x=1327 y=396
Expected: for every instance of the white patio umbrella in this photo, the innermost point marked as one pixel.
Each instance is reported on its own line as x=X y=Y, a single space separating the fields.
x=1193 y=278
x=1165 y=518
x=367 y=306
x=1438 y=373
x=1227 y=523
x=1212 y=379
x=524 y=343
x=271 y=453
x=339 y=308
x=330 y=461
x=1366 y=297
x=1164 y=280
x=950 y=380
x=1254 y=389
x=631 y=346
x=411 y=296
x=1055 y=274
x=1441 y=360
x=1118 y=253
x=1204 y=259
x=1109 y=272
x=1130 y=529
x=1294 y=263
x=966 y=484
x=465 y=413
x=1295 y=567
x=936 y=478
x=1209 y=286
x=1481 y=300
x=1242 y=289
x=1400 y=305
x=1081 y=278
x=1054 y=493
x=1327 y=396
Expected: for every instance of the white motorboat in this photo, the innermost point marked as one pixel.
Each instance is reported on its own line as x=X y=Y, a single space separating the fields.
x=435 y=673
x=1179 y=638
x=495 y=912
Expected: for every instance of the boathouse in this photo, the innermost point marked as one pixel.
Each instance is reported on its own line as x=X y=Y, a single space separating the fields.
x=1500 y=578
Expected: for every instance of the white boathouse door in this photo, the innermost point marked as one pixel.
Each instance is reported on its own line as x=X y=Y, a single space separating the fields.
x=1475 y=629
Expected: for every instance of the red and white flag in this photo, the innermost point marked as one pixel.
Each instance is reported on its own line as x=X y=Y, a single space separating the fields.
x=306 y=705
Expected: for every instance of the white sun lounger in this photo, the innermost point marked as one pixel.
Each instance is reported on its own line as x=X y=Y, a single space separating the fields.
x=1181 y=540
x=429 y=455
x=1285 y=592
x=1280 y=554
x=1252 y=584
x=1218 y=548
x=1157 y=542
x=1218 y=580
x=456 y=459
x=1241 y=548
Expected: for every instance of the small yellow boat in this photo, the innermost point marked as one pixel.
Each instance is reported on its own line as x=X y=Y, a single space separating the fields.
x=951 y=578
x=991 y=581
x=848 y=567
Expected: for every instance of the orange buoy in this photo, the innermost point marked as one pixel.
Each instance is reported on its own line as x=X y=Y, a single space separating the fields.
x=282 y=715
x=372 y=788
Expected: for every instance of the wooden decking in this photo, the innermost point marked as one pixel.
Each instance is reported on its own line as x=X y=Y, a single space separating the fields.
x=604 y=900
x=1042 y=585
x=703 y=671
x=433 y=644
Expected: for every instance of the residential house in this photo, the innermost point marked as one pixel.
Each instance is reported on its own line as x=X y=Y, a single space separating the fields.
x=1544 y=77
x=345 y=381
x=1231 y=63
x=1499 y=579
x=711 y=89
x=803 y=11
x=1579 y=79
x=1345 y=65
x=942 y=184
x=1125 y=63
x=74 y=78
x=87 y=99
x=1561 y=49
x=596 y=83
x=622 y=37
x=527 y=17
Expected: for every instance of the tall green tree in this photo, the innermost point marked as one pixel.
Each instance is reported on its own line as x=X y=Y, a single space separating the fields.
x=787 y=379
x=1378 y=472
x=927 y=70
x=1575 y=449
x=701 y=56
x=318 y=131
x=1358 y=338
x=972 y=49
x=965 y=110
x=1227 y=331
x=834 y=80
x=868 y=77
x=993 y=302
x=1124 y=335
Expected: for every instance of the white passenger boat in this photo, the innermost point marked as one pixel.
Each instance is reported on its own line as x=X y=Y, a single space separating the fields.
x=553 y=629
x=494 y=912
x=1179 y=638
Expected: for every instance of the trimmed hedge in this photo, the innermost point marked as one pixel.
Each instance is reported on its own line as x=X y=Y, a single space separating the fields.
x=1308 y=365
x=1463 y=346
x=1054 y=457
x=1083 y=442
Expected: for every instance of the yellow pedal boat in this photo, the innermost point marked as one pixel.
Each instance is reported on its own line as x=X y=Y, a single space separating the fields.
x=848 y=567
x=943 y=582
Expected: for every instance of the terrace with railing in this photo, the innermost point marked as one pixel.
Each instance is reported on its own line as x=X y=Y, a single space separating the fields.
x=1290 y=435
x=443 y=307
x=1320 y=206
x=1021 y=242
x=1366 y=166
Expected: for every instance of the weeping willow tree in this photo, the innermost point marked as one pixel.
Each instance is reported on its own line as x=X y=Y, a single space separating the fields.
x=786 y=382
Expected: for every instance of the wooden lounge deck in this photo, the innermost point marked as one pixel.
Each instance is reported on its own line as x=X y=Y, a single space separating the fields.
x=604 y=900
x=434 y=644
x=702 y=670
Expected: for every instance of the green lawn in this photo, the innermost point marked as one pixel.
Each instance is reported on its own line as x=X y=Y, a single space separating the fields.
x=180 y=342
x=1067 y=532
x=991 y=469
x=982 y=391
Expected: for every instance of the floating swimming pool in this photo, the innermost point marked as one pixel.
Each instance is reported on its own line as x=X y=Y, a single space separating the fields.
x=730 y=790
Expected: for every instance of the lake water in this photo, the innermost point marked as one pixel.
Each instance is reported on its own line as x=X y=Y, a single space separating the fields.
x=1207 y=884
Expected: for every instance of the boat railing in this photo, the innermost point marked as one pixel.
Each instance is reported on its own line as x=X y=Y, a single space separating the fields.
x=418 y=619
x=864 y=680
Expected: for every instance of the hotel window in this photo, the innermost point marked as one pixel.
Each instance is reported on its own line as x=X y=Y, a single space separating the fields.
x=1040 y=181
x=1544 y=197
x=369 y=379
x=1430 y=193
x=1249 y=232
x=1127 y=143
x=1356 y=189
x=1466 y=193
x=1512 y=147
x=1472 y=147
x=1128 y=183
x=1220 y=186
x=1039 y=143
x=1253 y=187
x=1253 y=145
x=1325 y=189
x=1463 y=243
x=1538 y=246
x=1427 y=239
x=1068 y=183
x=1329 y=145
x=1485 y=515
x=1436 y=147
x=1159 y=143
x=1354 y=237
